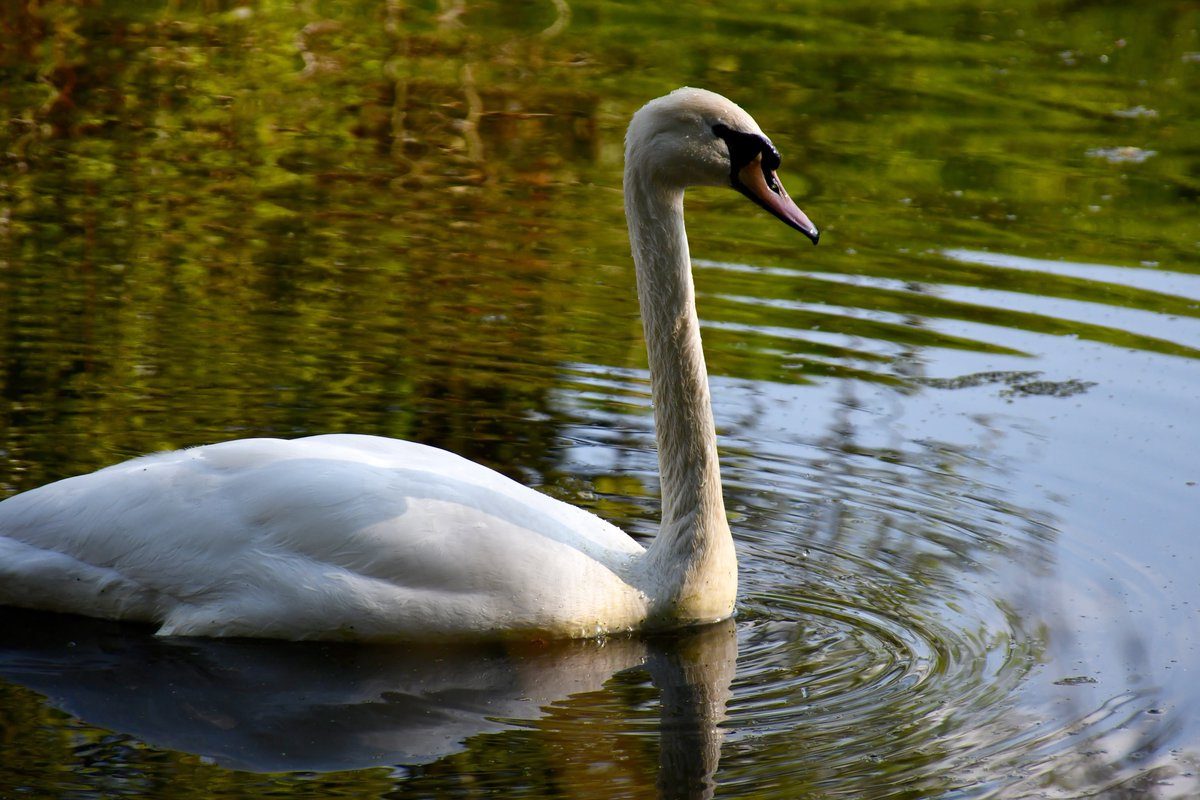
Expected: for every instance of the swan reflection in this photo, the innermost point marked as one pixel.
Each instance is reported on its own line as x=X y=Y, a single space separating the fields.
x=282 y=707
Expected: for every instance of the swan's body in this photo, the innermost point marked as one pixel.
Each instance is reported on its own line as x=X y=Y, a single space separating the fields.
x=363 y=537
x=356 y=536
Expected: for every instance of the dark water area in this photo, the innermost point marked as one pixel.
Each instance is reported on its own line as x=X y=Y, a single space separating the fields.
x=959 y=439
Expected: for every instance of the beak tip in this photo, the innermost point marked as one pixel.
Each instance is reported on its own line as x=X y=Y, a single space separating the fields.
x=815 y=235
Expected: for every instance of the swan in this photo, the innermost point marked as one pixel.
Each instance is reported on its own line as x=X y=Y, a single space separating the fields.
x=344 y=536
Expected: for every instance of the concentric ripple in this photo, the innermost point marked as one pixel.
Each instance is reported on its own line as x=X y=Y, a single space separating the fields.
x=805 y=658
x=864 y=686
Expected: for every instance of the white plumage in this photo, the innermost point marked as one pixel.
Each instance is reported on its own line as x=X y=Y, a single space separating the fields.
x=354 y=536
x=362 y=537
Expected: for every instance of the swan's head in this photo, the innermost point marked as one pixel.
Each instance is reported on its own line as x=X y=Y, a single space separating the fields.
x=693 y=137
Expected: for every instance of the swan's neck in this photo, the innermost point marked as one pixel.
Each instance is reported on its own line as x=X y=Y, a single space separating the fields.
x=692 y=559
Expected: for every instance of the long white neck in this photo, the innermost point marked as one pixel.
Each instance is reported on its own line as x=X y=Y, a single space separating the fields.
x=692 y=559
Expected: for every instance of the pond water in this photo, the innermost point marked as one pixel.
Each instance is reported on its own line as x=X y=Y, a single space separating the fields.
x=959 y=438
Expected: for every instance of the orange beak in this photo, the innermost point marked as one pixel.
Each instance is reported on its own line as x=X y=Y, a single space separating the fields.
x=763 y=187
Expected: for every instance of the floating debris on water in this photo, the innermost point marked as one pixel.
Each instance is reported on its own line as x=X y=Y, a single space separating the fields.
x=1068 y=388
x=1075 y=681
x=1122 y=155
x=1016 y=383
x=978 y=379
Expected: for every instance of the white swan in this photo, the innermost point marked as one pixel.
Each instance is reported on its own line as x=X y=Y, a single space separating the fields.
x=361 y=537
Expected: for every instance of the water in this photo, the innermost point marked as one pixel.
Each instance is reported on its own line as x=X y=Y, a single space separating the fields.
x=958 y=438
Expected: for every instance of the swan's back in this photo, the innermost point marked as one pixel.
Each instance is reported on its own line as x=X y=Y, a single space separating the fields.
x=328 y=536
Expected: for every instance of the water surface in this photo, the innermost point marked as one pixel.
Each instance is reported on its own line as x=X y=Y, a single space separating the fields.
x=958 y=439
